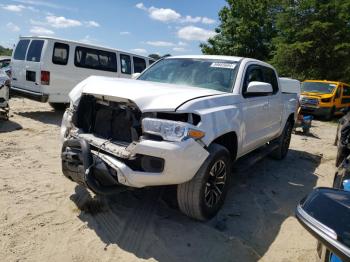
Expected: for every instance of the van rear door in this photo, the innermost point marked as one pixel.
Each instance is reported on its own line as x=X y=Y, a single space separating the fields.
x=26 y=66
x=18 y=64
x=33 y=66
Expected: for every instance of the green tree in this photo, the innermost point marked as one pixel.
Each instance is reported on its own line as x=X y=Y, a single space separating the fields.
x=313 y=40
x=5 y=51
x=154 y=56
x=246 y=29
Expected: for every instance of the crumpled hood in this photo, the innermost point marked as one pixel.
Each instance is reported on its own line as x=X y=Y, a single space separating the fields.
x=148 y=96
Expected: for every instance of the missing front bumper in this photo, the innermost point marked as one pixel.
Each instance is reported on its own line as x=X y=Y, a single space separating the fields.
x=86 y=169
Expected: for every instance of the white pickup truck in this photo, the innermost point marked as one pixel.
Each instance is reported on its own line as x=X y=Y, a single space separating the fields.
x=184 y=121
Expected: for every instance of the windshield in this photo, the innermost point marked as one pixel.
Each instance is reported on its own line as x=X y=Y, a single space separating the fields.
x=212 y=74
x=317 y=87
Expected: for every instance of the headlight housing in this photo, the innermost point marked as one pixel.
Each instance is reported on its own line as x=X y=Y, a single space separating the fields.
x=326 y=100
x=66 y=124
x=170 y=130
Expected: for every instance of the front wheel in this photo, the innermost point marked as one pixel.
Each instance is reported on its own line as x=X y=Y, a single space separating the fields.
x=283 y=142
x=329 y=116
x=202 y=197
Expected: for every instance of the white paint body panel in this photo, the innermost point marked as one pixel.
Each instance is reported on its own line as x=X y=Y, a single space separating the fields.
x=255 y=120
x=63 y=78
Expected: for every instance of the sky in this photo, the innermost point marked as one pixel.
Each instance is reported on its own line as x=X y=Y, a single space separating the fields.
x=141 y=26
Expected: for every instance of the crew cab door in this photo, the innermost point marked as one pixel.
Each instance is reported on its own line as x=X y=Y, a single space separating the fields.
x=275 y=103
x=255 y=109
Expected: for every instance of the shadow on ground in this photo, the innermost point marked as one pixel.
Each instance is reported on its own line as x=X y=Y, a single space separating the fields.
x=309 y=134
x=9 y=126
x=46 y=117
x=260 y=199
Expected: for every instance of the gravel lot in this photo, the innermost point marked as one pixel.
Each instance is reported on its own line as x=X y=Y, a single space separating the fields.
x=43 y=216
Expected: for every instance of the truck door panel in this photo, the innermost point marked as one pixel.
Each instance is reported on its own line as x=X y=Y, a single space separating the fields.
x=255 y=112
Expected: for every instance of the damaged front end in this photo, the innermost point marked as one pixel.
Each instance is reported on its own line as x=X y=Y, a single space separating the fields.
x=111 y=145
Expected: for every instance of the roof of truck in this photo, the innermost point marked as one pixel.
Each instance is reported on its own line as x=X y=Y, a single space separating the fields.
x=216 y=57
x=83 y=43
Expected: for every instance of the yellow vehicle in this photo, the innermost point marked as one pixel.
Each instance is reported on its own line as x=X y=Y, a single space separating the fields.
x=324 y=98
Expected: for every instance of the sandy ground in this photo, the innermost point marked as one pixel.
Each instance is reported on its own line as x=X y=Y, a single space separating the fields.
x=45 y=217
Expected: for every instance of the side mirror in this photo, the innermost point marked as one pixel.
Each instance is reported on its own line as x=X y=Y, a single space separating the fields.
x=259 y=88
x=325 y=213
x=135 y=75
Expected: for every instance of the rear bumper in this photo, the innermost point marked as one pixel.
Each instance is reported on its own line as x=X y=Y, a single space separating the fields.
x=29 y=94
x=319 y=111
x=181 y=162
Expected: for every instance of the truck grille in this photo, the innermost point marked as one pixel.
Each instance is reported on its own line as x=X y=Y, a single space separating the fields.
x=109 y=120
x=305 y=101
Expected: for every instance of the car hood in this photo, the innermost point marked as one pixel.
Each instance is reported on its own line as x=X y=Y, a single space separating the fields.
x=148 y=96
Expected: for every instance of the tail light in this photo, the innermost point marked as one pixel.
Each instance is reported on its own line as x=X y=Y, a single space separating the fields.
x=45 y=77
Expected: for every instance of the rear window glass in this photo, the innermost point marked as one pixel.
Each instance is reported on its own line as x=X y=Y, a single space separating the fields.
x=139 y=64
x=34 y=51
x=21 y=49
x=95 y=59
x=125 y=62
x=60 y=54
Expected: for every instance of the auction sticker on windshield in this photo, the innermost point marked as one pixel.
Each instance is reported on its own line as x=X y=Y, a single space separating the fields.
x=223 y=65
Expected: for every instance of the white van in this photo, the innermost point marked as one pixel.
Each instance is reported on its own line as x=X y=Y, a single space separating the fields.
x=46 y=69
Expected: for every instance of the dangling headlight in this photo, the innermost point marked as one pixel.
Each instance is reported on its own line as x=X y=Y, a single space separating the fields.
x=170 y=130
x=66 y=124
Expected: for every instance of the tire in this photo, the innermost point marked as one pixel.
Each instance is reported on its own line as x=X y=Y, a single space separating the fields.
x=343 y=173
x=200 y=198
x=58 y=106
x=342 y=153
x=329 y=116
x=283 y=142
x=306 y=130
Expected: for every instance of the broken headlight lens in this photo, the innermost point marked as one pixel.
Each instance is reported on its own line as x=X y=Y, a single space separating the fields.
x=170 y=130
x=66 y=124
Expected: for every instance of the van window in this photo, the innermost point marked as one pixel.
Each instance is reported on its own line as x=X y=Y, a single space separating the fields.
x=338 y=92
x=95 y=59
x=125 y=62
x=34 y=51
x=139 y=64
x=60 y=54
x=346 y=90
x=21 y=49
x=151 y=62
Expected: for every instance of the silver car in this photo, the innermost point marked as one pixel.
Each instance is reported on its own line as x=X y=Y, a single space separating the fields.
x=5 y=83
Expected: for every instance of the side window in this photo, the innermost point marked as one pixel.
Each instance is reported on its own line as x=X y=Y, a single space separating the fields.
x=151 y=61
x=60 y=54
x=125 y=62
x=270 y=77
x=34 y=51
x=346 y=90
x=139 y=64
x=253 y=73
x=95 y=59
x=337 y=94
x=21 y=49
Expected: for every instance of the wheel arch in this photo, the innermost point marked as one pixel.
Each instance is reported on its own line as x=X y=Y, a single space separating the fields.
x=229 y=141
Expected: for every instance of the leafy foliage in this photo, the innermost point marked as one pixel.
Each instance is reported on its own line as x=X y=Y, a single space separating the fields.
x=314 y=40
x=154 y=56
x=246 y=29
x=301 y=38
x=5 y=51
